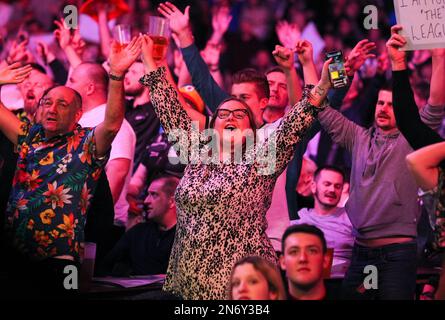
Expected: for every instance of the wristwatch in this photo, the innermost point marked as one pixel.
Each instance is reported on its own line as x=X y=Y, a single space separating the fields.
x=114 y=77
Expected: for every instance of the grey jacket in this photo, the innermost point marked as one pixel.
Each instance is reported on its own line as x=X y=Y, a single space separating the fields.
x=383 y=196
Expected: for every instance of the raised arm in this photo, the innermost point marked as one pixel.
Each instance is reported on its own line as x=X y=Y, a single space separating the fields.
x=221 y=19
x=9 y=123
x=194 y=115
x=294 y=126
x=437 y=87
x=164 y=97
x=63 y=36
x=408 y=119
x=285 y=59
x=202 y=79
x=104 y=32
x=424 y=164
x=120 y=60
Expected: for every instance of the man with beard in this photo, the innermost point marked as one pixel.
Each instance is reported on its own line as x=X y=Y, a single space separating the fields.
x=139 y=111
x=304 y=258
x=333 y=221
x=31 y=90
x=383 y=205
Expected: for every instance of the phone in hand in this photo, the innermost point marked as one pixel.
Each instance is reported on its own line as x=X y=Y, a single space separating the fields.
x=337 y=71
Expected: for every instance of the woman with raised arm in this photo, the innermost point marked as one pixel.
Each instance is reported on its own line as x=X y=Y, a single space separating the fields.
x=222 y=203
x=428 y=167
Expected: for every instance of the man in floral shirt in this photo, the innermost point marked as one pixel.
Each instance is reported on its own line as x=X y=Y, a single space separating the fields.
x=58 y=166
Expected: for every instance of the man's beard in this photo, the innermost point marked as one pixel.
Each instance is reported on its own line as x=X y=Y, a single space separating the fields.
x=316 y=195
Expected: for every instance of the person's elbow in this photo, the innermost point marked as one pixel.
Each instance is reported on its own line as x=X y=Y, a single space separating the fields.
x=411 y=161
x=111 y=128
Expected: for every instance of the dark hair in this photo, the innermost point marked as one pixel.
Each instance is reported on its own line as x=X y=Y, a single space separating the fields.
x=249 y=113
x=77 y=102
x=259 y=80
x=387 y=86
x=170 y=183
x=304 y=228
x=274 y=69
x=267 y=269
x=329 y=168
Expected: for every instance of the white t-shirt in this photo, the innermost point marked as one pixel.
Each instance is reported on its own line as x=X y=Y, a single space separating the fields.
x=277 y=216
x=337 y=229
x=123 y=146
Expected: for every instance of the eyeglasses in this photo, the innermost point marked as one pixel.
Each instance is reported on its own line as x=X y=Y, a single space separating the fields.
x=237 y=113
x=48 y=103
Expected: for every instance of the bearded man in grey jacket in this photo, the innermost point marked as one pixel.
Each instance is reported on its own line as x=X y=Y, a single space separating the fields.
x=382 y=206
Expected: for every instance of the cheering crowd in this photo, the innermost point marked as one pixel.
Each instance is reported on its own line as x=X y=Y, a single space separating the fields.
x=229 y=162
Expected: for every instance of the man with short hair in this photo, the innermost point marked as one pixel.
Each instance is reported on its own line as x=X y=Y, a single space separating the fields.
x=90 y=80
x=251 y=87
x=31 y=89
x=303 y=259
x=383 y=205
x=58 y=166
x=327 y=189
x=145 y=248
x=279 y=98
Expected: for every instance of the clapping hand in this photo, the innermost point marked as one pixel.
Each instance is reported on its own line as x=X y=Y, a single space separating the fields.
x=121 y=58
x=358 y=55
x=179 y=22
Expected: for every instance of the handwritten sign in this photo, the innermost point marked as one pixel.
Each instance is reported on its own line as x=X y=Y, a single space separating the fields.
x=423 y=23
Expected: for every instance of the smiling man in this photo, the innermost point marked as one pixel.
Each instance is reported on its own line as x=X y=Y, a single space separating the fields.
x=333 y=221
x=279 y=99
x=304 y=258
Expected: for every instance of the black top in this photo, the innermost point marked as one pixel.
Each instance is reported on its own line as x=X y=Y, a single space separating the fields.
x=333 y=290
x=7 y=168
x=145 y=124
x=143 y=250
x=417 y=133
x=155 y=159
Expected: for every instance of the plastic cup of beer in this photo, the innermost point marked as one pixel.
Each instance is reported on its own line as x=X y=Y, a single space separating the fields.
x=159 y=32
x=122 y=34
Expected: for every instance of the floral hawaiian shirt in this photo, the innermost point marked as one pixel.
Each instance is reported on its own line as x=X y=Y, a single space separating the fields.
x=52 y=187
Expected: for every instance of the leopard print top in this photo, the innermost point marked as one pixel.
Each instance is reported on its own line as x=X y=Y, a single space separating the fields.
x=221 y=208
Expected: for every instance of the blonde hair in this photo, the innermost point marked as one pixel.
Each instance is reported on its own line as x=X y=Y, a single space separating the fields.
x=267 y=269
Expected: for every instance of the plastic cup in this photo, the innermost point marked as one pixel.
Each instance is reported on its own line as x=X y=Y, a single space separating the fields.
x=159 y=32
x=122 y=34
